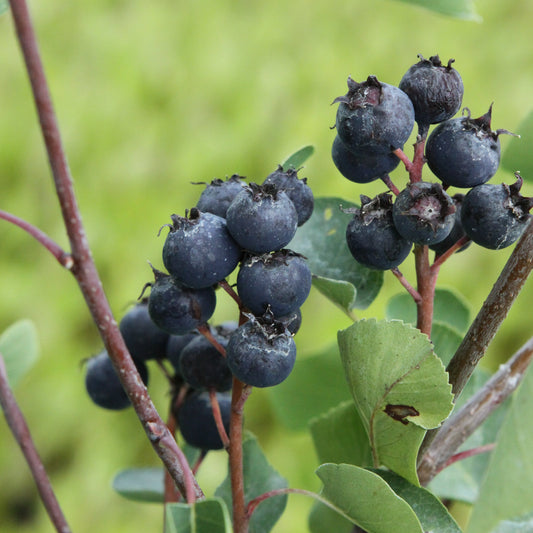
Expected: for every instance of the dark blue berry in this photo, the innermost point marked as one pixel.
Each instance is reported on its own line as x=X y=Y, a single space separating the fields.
x=102 y=383
x=177 y=309
x=435 y=90
x=281 y=280
x=374 y=117
x=457 y=232
x=175 y=345
x=423 y=213
x=361 y=167
x=494 y=216
x=218 y=195
x=372 y=237
x=262 y=219
x=197 y=423
x=297 y=190
x=142 y=337
x=464 y=152
x=202 y=366
x=199 y=251
x=261 y=355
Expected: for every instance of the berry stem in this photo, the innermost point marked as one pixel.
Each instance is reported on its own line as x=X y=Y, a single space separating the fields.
x=410 y=289
x=240 y=519
x=83 y=267
x=218 y=418
x=18 y=426
x=229 y=289
x=388 y=182
x=439 y=260
x=426 y=281
x=206 y=332
x=468 y=453
x=402 y=156
x=436 y=453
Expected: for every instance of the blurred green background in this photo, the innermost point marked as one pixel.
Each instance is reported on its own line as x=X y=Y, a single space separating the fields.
x=151 y=96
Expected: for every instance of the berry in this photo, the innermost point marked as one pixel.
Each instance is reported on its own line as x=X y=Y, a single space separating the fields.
x=436 y=91
x=262 y=219
x=464 y=152
x=202 y=366
x=175 y=345
x=261 y=355
x=177 y=309
x=361 y=168
x=494 y=216
x=281 y=280
x=102 y=383
x=372 y=237
x=199 y=251
x=297 y=190
x=457 y=232
x=142 y=337
x=292 y=321
x=197 y=423
x=423 y=213
x=218 y=195
x=374 y=117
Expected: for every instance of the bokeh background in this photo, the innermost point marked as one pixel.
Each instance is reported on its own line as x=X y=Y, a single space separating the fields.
x=152 y=96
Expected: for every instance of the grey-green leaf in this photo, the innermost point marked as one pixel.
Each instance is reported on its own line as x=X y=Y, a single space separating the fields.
x=322 y=239
x=19 y=347
x=3 y=6
x=206 y=516
x=517 y=156
x=523 y=524
x=141 y=484
x=365 y=499
x=259 y=477
x=316 y=384
x=298 y=158
x=461 y=9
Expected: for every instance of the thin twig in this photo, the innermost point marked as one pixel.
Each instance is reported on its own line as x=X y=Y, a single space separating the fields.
x=19 y=428
x=462 y=424
x=426 y=281
x=406 y=285
x=389 y=183
x=217 y=415
x=440 y=259
x=402 y=156
x=83 y=267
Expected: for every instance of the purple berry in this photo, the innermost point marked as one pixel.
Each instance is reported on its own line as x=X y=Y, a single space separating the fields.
x=218 y=195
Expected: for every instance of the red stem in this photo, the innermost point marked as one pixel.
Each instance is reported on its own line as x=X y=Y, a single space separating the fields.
x=426 y=282
x=466 y=454
x=388 y=182
x=18 y=426
x=83 y=267
x=218 y=418
x=402 y=156
x=407 y=286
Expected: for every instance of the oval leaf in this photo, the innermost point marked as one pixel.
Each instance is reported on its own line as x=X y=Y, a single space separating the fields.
x=259 y=477
x=399 y=386
x=299 y=157
x=461 y=9
x=518 y=155
x=322 y=239
x=206 y=516
x=141 y=484
x=20 y=348
x=366 y=499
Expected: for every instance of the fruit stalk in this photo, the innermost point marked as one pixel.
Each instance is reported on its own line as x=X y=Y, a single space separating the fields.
x=83 y=267
x=18 y=426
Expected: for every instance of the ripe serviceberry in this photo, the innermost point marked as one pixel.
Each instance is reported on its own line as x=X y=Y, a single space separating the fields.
x=262 y=218
x=174 y=347
x=464 y=152
x=494 y=216
x=435 y=90
x=372 y=237
x=199 y=251
x=297 y=190
x=218 y=194
x=423 y=213
x=374 y=117
x=361 y=167
x=457 y=231
x=261 y=354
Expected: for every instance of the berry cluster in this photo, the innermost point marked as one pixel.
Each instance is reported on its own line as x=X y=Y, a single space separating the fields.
x=373 y=122
x=234 y=226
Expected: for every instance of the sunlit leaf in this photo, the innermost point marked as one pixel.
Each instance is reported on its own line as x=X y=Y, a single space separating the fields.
x=206 y=516
x=298 y=158
x=141 y=484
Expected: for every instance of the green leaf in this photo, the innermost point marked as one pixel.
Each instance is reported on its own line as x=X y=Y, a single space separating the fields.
x=517 y=156
x=206 y=516
x=366 y=499
x=445 y=340
x=316 y=384
x=433 y=516
x=259 y=478
x=141 y=484
x=322 y=239
x=399 y=386
x=339 y=436
x=506 y=489
x=522 y=524
x=20 y=348
x=3 y=6
x=450 y=308
x=323 y=519
x=462 y=480
x=299 y=157
x=461 y=9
